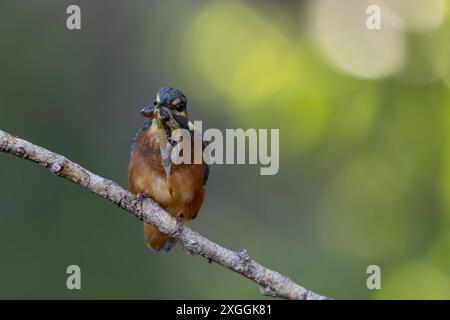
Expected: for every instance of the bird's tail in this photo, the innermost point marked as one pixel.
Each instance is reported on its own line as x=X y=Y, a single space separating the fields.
x=156 y=240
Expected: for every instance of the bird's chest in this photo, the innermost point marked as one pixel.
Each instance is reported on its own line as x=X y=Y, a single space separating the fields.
x=147 y=175
x=171 y=192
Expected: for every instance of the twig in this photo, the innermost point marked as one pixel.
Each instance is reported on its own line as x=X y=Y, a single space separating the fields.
x=272 y=283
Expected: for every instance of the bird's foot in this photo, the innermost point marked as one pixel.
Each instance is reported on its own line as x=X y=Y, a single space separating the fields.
x=180 y=225
x=141 y=196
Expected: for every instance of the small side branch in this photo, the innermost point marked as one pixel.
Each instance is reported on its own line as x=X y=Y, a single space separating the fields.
x=271 y=282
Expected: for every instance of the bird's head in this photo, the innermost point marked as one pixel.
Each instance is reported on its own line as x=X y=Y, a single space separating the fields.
x=167 y=100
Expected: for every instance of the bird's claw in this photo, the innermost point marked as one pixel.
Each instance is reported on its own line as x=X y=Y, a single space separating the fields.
x=141 y=196
x=180 y=225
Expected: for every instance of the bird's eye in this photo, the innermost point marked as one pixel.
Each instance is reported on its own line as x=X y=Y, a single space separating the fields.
x=177 y=104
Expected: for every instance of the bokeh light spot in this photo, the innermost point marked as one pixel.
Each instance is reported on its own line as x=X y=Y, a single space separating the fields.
x=340 y=30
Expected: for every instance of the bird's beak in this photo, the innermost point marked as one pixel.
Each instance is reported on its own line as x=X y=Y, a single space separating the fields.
x=148 y=111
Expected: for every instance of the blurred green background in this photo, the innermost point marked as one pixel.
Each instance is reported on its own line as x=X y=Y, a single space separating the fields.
x=364 y=153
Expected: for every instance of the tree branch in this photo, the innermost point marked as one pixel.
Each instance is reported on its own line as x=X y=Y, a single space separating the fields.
x=272 y=283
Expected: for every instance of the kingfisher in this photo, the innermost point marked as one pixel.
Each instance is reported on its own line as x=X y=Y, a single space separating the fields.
x=178 y=188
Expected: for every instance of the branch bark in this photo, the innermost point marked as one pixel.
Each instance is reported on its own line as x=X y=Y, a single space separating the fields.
x=271 y=282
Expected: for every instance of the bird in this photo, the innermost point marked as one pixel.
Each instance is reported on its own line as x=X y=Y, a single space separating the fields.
x=178 y=188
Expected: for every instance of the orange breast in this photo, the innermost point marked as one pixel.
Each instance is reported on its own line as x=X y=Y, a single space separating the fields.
x=180 y=192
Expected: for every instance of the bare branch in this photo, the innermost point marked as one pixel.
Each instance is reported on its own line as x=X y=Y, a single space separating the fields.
x=272 y=283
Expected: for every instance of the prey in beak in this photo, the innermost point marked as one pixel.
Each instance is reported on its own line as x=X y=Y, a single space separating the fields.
x=168 y=113
x=148 y=111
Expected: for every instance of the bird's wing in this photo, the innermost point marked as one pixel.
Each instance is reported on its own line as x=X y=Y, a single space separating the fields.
x=186 y=124
x=145 y=126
